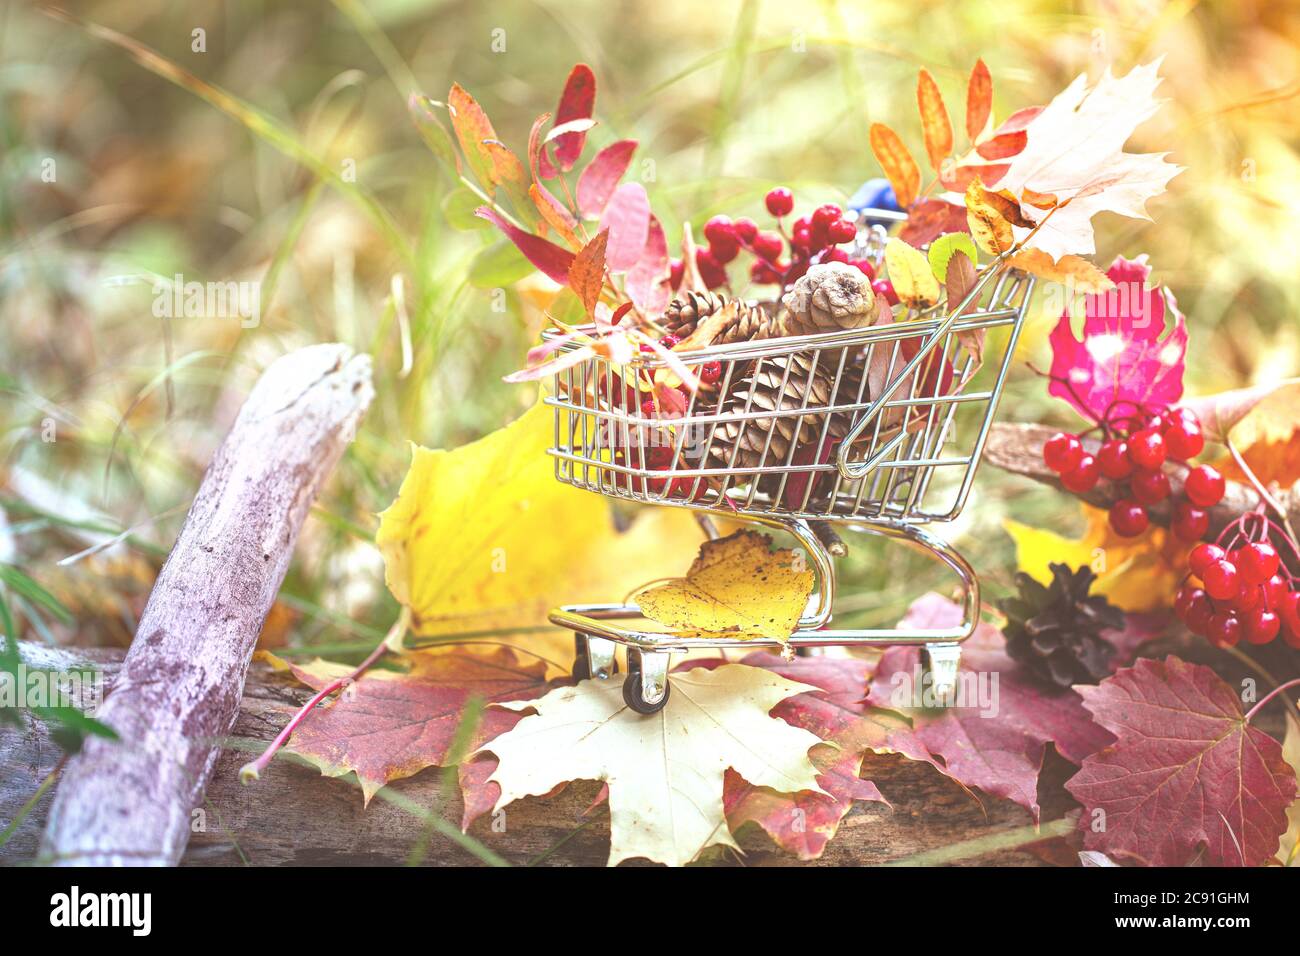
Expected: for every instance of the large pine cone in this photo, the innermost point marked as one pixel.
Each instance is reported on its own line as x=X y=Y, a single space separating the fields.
x=684 y=314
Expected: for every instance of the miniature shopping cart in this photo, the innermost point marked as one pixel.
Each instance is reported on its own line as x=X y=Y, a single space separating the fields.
x=906 y=457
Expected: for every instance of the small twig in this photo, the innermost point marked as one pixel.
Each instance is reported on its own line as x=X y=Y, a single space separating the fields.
x=1270 y=695
x=1258 y=485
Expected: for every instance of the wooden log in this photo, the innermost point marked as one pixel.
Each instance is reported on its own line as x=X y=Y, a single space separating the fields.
x=293 y=815
x=1018 y=448
x=178 y=691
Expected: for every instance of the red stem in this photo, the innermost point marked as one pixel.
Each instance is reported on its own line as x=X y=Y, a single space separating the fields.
x=1270 y=695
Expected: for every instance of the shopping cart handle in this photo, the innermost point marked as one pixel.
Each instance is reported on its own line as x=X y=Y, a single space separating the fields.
x=851 y=470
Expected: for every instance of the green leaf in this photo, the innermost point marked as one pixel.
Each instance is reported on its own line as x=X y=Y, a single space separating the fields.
x=29 y=589
x=499 y=264
x=459 y=205
x=941 y=251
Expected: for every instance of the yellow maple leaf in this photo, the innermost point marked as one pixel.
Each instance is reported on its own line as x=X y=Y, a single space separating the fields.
x=1135 y=574
x=484 y=539
x=737 y=587
x=665 y=772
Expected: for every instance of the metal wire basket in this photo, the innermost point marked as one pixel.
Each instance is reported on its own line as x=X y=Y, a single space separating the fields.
x=888 y=443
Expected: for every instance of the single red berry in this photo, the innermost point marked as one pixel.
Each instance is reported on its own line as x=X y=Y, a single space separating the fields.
x=724 y=249
x=1150 y=487
x=801 y=237
x=1186 y=415
x=1183 y=439
x=780 y=201
x=865 y=267
x=1224 y=629
x=1113 y=459
x=824 y=216
x=710 y=372
x=719 y=227
x=1275 y=592
x=676 y=272
x=1248 y=598
x=841 y=231
x=648 y=408
x=745 y=229
x=1199 y=612
x=1128 y=518
x=670 y=341
x=886 y=288
x=1186 y=597
x=1204 y=486
x=767 y=245
x=1062 y=452
x=1258 y=563
x=712 y=272
x=1146 y=449
x=1222 y=582
x=1190 y=523
x=1204 y=555
x=1083 y=476
x=762 y=273
x=1262 y=626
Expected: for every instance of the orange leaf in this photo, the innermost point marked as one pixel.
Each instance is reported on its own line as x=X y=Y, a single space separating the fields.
x=897 y=163
x=990 y=228
x=979 y=100
x=1009 y=206
x=934 y=120
x=587 y=274
x=1003 y=145
x=555 y=215
x=473 y=127
x=1076 y=271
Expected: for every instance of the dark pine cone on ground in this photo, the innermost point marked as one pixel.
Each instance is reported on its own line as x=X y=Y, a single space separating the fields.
x=1056 y=631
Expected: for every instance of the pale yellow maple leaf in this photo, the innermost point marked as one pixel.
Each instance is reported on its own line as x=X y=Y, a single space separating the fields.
x=1075 y=151
x=483 y=541
x=665 y=771
x=737 y=587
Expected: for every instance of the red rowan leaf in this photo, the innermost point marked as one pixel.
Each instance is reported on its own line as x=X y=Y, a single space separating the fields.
x=648 y=283
x=601 y=176
x=979 y=100
x=1186 y=772
x=1004 y=145
x=551 y=259
x=627 y=217
x=576 y=103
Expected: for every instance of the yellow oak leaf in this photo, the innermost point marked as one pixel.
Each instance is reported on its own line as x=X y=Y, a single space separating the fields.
x=484 y=539
x=665 y=772
x=1135 y=574
x=737 y=587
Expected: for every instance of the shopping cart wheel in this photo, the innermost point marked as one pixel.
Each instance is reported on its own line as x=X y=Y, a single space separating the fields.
x=942 y=662
x=593 y=657
x=646 y=688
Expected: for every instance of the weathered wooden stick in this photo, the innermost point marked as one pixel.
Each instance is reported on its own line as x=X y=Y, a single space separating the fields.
x=297 y=816
x=1018 y=448
x=178 y=692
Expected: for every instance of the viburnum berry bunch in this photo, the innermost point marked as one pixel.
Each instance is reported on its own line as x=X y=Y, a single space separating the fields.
x=1238 y=587
x=780 y=255
x=1136 y=444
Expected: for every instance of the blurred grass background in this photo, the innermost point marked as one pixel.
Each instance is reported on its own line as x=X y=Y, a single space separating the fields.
x=727 y=100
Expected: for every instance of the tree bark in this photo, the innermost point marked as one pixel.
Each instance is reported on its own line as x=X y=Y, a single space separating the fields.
x=178 y=691
x=1018 y=448
x=295 y=816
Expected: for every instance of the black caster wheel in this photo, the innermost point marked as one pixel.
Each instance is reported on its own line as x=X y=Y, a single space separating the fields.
x=632 y=695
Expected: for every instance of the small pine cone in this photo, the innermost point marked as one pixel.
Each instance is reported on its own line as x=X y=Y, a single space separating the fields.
x=829 y=297
x=684 y=314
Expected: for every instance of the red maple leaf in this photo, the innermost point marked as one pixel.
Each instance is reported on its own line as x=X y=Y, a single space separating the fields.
x=1186 y=772
x=996 y=738
x=1125 y=361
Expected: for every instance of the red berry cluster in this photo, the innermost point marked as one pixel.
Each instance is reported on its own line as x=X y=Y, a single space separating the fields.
x=811 y=239
x=1132 y=455
x=1238 y=586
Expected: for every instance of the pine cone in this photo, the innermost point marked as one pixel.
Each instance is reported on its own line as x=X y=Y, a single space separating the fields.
x=1055 y=631
x=769 y=388
x=684 y=314
x=829 y=297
